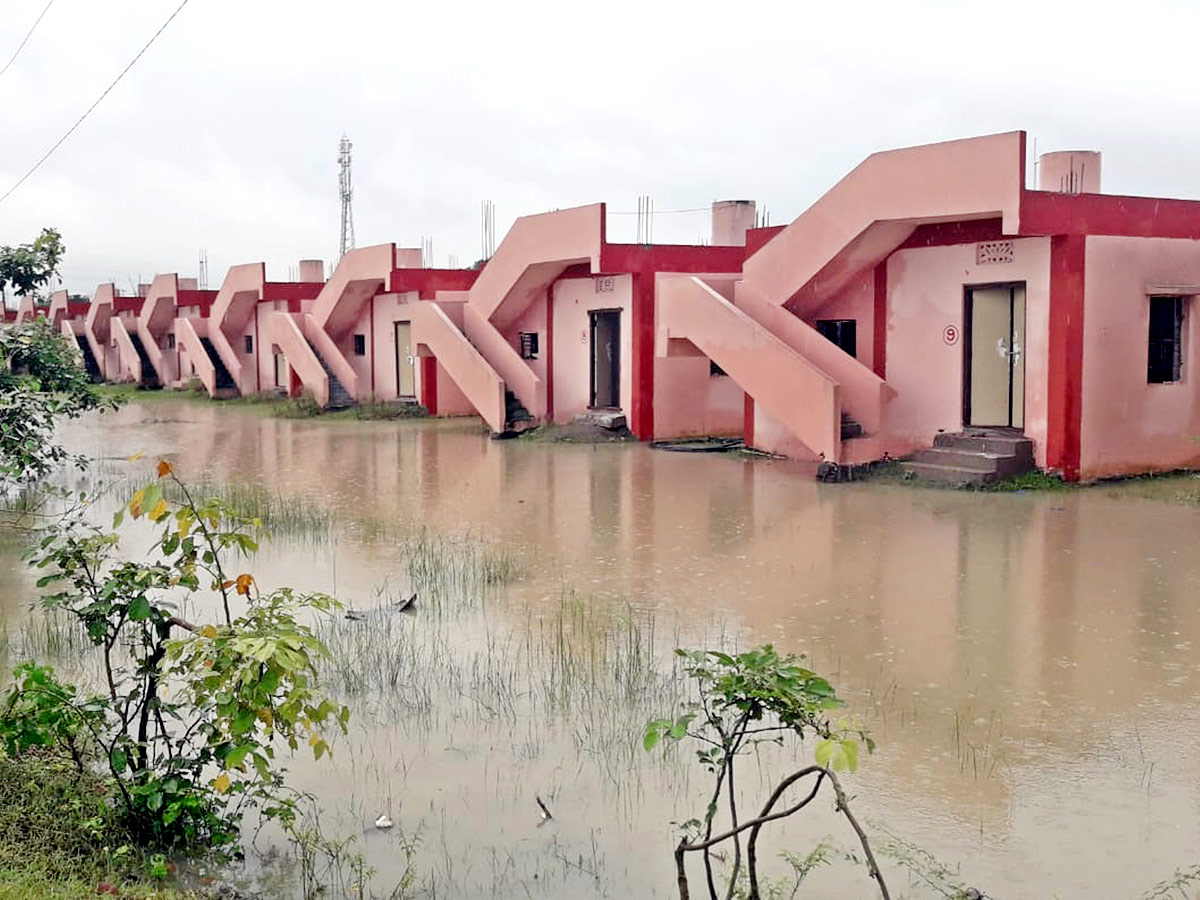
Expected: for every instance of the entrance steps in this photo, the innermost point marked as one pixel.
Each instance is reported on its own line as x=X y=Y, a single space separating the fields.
x=975 y=456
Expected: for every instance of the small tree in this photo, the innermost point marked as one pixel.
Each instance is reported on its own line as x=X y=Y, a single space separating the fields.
x=41 y=383
x=744 y=700
x=29 y=267
x=190 y=715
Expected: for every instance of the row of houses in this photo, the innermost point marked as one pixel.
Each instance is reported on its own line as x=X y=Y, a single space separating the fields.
x=927 y=294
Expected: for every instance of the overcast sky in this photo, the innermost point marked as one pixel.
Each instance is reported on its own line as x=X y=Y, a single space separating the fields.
x=224 y=136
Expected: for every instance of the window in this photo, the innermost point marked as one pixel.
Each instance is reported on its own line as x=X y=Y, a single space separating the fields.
x=360 y=345
x=249 y=343
x=1165 y=363
x=529 y=345
x=170 y=342
x=843 y=332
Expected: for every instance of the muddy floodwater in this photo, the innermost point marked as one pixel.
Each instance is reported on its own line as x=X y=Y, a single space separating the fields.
x=1027 y=662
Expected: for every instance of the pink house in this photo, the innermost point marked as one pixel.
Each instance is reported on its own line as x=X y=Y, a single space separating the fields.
x=110 y=317
x=162 y=361
x=69 y=316
x=928 y=304
x=515 y=340
x=928 y=298
x=1057 y=318
x=226 y=349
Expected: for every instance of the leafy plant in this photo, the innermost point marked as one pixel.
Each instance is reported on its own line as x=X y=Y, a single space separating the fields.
x=187 y=727
x=41 y=382
x=745 y=700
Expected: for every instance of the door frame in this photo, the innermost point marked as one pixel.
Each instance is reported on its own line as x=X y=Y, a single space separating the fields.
x=413 y=356
x=968 y=289
x=593 y=315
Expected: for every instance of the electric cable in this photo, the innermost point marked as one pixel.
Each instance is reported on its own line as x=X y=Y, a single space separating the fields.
x=28 y=35
x=37 y=165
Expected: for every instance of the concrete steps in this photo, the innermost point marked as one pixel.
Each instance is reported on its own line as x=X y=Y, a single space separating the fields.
x=516 y=416
x=226 y=386
x=339 y=397
x=972 y=457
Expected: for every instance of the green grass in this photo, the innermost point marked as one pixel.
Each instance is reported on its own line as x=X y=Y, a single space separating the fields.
x=61 y=840
x=304 y=407
x=33 y=884
x=1036 y=480
x=131 y=392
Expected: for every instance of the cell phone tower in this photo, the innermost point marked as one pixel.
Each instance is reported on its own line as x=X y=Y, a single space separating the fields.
x=347 y=192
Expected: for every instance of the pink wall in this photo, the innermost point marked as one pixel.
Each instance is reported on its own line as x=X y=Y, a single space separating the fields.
x=268 y=348
x=1130 y=426
x=689 y=401
x=532 y=320
x=925 y=295
x=390 y=309
x=856 y=301
x=573 y=299
x=184 y=365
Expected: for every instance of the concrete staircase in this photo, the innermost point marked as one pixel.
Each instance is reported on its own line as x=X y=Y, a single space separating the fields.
x=149 y=375
x=850 y=428
x=339 y=397
x=89 y=360
x=516 y=417
x=226 y=386
x=975 y=456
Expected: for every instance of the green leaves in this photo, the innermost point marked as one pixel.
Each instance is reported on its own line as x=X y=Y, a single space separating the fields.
x=666 y=728
x=839 y=754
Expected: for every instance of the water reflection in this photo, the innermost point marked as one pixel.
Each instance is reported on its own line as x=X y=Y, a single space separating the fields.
x=1027 y=661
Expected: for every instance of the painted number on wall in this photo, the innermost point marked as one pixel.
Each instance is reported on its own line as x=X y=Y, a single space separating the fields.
x=606 y=285
x=950 y=334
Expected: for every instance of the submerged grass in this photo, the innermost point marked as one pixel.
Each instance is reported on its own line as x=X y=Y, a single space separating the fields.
x=283 y=515
x=586 y=672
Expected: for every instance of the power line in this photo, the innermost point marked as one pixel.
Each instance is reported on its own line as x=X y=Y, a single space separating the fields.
x=37 y=165
x=28 y=35
x=657 y=212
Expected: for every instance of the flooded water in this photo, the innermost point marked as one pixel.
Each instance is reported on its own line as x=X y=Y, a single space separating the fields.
x=1027 y=662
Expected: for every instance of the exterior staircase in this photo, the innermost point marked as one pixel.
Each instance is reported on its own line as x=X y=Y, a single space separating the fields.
x=850 y=428
x=89 y=359
x=226 y=386
x=973 y=457
x=149 y=375
x=339 y=397
x=516 y=417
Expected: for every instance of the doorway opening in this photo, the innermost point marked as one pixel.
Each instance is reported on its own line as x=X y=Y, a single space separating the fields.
x=606 y=359
x=994 y=368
